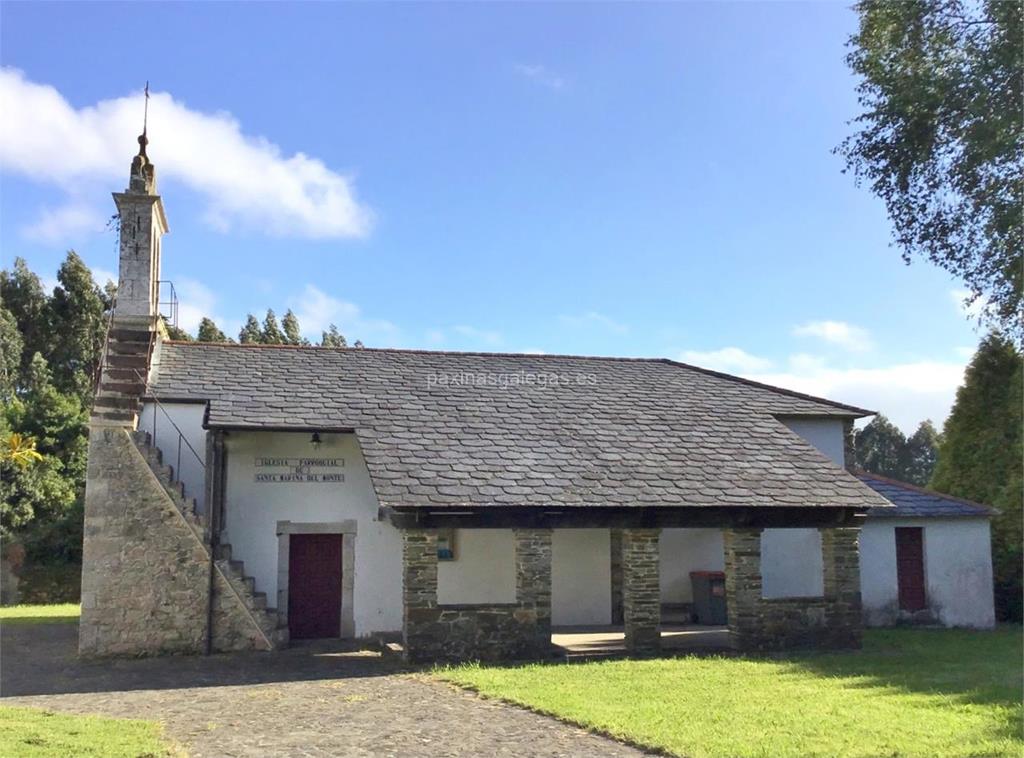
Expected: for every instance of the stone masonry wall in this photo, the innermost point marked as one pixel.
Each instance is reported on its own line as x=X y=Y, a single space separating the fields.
x=520 y=630
x=144 y=573
x=641 y=590
x=756 y=623
x=145 y=567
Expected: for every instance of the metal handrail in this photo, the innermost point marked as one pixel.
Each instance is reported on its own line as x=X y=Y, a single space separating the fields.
x=181 y=434
x=171 y=302
x=98 y=376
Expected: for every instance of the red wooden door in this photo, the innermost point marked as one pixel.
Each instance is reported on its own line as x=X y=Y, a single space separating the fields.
x=910 y=568
x=314 y=586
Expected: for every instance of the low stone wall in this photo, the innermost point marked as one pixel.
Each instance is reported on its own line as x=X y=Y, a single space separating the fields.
x=492 y=631
x=486 y=632
x=757 y=623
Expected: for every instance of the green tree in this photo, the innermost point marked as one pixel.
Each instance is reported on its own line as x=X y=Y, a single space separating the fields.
x=292 y=332
x=250 y=332
x=981 y=458
x=941 y=139
x=209 y=332
x=881 y=448
x=11 y=346
x=21 y=293
x=43 y=501
x=177 y=333
x=921 y=454
x=271 y=333
x=78 y=312
x=333 y=338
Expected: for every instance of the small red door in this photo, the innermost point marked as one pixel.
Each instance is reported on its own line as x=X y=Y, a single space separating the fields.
x=314 y=586
x=910 y=568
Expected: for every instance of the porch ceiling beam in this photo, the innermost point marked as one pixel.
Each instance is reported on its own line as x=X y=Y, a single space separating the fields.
x=619 y=518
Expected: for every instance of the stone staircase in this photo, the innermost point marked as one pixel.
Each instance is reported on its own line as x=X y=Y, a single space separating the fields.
x=123 y=378
x=272 y=624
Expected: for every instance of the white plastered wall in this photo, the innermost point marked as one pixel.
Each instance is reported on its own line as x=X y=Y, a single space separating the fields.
x=189 y=419
x=581 y=579
x=252 y=510
x=824 y=434
x=958 y=570
x=683 y=551
x=483 y=570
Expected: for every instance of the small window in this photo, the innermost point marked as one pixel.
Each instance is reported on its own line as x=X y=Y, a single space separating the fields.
x=446 y=545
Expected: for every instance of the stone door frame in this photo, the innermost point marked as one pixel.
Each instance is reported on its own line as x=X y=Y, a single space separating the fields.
x=347 y=530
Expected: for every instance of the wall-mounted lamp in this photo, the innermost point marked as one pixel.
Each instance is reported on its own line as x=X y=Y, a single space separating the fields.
x=315 y=440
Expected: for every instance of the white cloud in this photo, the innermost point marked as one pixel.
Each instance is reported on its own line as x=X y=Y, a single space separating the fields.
x=972 y=309
x=246 y=180
x=316 y=311
x=101 y=276
x=486 y=336
x=727 y=359
x=196 y=300
x=837 y=333
x=592 y=319
x=71 y=220
x=907 y=393
x=540 y=74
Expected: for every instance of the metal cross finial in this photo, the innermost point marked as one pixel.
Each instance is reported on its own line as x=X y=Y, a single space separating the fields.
x=143 y=139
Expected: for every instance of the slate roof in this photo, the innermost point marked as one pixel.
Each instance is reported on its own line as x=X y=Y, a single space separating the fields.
x=608 y=432
x=916 y=502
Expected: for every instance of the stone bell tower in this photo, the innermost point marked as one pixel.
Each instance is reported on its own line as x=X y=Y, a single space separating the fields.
x=136 y=323
x=143 y=224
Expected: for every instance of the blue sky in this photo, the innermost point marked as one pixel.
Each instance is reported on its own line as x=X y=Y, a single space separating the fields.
x=616 y=179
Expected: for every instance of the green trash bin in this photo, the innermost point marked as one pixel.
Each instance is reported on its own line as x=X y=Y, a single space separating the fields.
x=709 y=597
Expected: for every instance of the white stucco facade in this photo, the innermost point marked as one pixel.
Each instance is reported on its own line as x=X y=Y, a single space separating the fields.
x=483 y=571
x=683 y=551
x=254 y=507
x=824 y=434
x=957 y=566
x=581 y=579
x=791 y=563
x=165 y=420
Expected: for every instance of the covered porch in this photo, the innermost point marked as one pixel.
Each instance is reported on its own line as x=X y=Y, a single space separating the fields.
x=523 y=623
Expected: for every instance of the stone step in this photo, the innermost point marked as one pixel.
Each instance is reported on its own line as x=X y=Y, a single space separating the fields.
x=127 y=361
x=136 y=388
x=128 y=347
x=222 y=552
x=123 y=374
x=116 y=401
x=259 y=600
x=133 y=335
x=123 y=417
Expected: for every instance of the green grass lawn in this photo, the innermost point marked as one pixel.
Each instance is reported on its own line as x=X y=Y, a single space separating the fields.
x=39 y=614
x=35 y=733
x=927 y=693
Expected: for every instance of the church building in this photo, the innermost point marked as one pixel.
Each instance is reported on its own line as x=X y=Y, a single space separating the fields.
x=240 y=497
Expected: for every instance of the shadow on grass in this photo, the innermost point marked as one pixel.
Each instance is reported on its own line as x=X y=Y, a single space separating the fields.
x=70 y=618
x=982 y=667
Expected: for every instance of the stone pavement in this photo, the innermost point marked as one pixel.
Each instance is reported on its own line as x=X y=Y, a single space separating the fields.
x=317 y=700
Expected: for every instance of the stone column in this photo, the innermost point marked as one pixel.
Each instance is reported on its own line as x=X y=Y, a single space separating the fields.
x=641 y=590
x=533 y=590
x=616 y=569
x=743 y=586
x=840 y=558
x=422 y=635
